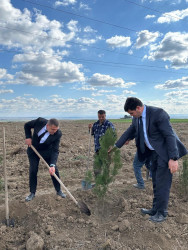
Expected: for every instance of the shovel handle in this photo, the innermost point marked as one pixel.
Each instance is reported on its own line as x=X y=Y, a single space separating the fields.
x=57 y=178
x=5 y=176
x=88 y=157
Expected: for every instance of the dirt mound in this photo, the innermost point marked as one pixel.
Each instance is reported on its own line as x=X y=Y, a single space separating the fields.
x=50 y=222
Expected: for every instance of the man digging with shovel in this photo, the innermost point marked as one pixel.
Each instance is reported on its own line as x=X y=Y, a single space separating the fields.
x=45 y=138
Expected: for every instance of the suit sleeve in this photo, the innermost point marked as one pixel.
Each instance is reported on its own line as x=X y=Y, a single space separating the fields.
x=164 y=126
x=129 y=134
x=55 y=149
x=28 y=126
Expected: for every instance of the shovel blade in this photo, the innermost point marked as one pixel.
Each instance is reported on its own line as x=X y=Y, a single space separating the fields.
x=84 y=208
x=9 y=222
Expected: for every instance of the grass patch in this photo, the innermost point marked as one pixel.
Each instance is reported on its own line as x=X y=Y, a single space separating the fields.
x=178 y=120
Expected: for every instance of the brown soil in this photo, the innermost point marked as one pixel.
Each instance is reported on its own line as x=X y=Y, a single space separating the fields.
x=115 y=223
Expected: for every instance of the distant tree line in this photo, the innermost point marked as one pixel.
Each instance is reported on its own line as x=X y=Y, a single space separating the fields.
x=126 y=117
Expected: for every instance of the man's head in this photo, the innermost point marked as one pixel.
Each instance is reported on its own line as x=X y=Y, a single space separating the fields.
x=101 y=116
x=134 y=107
x=52 y=126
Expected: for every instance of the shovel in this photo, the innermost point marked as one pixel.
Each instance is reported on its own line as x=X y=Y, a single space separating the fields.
x=85 y=184
x=83 y=207
x=8 y=221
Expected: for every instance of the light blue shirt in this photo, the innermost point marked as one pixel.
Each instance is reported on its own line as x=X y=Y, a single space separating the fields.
x=144 y=127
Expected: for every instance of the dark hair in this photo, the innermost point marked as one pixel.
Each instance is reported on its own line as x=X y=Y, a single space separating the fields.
x=131 y=103
x=101 y=112
x=54 y=122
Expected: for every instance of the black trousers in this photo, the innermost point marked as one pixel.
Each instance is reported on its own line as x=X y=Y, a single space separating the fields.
x=33 y=170
x=162 y=180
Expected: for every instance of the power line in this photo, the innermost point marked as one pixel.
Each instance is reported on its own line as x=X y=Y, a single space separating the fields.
x=47 y=36
x=83 y=59
x=58 y=39
x=96 y=20
x=127 y=80
x=155 y=10
x=101 y=21
x=105 y=63
x=78 y=15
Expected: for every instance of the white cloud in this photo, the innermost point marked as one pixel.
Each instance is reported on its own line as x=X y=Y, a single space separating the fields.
x=102 y=92
x=173 y=16
x=42 y=70
x=22 y=106
x=65 y=2
x=5 y=91
x=119 y=41
x=85 y=41
x=181 y=83
x=59 y=107
x=84 y=6
x=85 y=88
x=106 y=80
x=88 y=29
x=171 y=105
x=173 y=48
x=149 y=16
x=72 y=26
x=182 y=95
x=145 y=37
x=129 y=92
x=55 y=96
x=130 y=84
x=26 y=29
x=5 y=75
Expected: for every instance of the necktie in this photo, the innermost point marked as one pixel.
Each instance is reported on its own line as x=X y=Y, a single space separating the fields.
x=141 y=136
x=40 y=136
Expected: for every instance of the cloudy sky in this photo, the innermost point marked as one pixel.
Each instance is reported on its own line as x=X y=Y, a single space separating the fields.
x=70 y=58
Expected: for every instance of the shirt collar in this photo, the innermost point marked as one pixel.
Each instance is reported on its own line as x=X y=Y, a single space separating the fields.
x=101 y=123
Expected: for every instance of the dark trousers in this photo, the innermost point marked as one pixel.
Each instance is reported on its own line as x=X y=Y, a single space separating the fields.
x=34 y=163
x=162 y=179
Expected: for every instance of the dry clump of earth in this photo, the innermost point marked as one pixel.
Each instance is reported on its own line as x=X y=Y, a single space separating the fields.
x=50 y=222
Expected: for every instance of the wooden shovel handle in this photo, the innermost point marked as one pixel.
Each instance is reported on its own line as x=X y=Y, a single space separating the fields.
x=5 y=176
x=89 y=150
x=57 y=178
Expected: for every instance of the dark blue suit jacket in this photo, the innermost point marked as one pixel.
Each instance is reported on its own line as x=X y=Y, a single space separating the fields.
x=160 y=134
x=50 y=148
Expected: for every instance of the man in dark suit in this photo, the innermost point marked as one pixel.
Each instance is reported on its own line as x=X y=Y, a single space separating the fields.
x=155 y=138
x=45 y=138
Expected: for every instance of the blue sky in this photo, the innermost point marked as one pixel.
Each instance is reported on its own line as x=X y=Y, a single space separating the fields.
x=70 y=58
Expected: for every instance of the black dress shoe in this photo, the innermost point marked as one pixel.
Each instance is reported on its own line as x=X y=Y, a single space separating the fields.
x=60 y=193
x=148 y=211
x=30 y=197
x=158 y=217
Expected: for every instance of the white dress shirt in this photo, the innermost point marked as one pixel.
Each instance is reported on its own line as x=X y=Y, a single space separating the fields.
x=44 y=138
x=144 y=127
